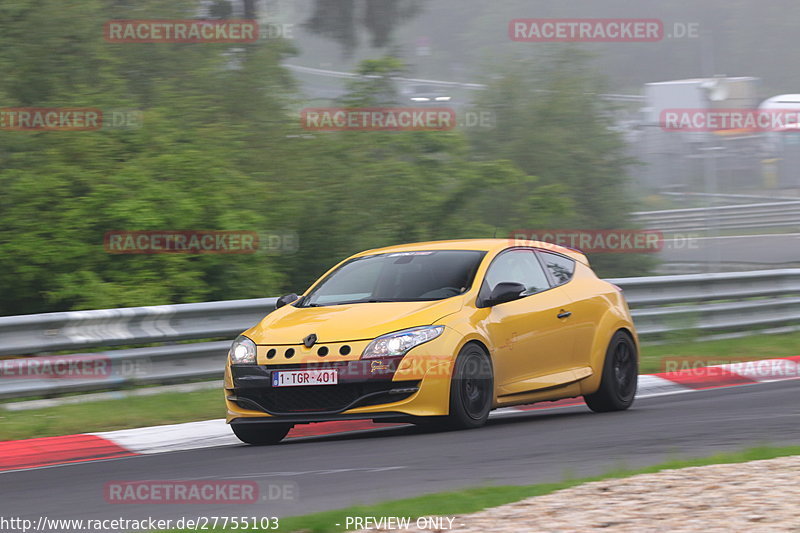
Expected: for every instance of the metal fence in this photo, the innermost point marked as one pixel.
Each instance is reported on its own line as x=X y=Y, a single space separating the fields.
x=185 y=340
x=437 y=83
x=762 y=215
x=724 y=304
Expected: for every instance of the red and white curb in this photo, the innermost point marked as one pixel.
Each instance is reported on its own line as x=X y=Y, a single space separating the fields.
x=51 y=451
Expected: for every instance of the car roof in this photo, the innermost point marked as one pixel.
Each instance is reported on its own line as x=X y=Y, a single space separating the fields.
x=484 y=245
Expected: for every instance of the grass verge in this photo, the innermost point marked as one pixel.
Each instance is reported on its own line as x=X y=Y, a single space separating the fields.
x=173 y=408
x=476 y=499
x=107 y=415
x=721 y=351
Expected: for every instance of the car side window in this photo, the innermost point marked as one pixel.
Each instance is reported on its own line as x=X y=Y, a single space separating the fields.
x=518 y=266
x=560 y=267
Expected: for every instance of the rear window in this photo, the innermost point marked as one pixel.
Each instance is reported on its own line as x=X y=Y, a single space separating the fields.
x=560 y=267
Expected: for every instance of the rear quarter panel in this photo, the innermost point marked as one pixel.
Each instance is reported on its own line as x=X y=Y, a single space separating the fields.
x=600 y=311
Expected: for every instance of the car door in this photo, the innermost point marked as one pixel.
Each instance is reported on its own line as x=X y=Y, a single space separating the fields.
x=587 y=305
x=532 y=345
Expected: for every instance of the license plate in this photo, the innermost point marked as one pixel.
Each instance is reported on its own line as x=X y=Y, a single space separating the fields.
x=299 y=378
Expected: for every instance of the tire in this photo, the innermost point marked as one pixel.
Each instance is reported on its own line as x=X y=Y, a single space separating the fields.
x=471 y=389
x=261 y=434
x=620 y=376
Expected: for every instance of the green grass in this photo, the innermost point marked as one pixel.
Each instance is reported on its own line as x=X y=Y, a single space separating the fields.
x=173 y=408
x=721 y=351
x=476 y=499
x=106 y=415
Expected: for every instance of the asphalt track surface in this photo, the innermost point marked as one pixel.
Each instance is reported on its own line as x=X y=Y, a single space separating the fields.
x=337 y=471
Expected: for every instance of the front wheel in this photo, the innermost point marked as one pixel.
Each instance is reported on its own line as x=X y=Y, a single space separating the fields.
x=260 y=434
x=471 y=389
x=620 y=376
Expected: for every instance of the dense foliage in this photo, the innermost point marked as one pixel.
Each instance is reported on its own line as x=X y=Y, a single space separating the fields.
x=221 y=148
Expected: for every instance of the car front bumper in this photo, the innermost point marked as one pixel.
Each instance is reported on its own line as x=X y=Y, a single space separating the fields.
x=415 y=385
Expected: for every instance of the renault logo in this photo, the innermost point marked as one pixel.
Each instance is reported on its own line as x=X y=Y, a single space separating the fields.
x=310 y=340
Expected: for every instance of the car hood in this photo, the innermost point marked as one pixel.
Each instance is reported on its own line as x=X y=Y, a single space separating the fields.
x=344 y=323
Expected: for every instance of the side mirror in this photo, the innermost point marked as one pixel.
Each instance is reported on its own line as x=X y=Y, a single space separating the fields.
x=286 y=300
x=505 y=291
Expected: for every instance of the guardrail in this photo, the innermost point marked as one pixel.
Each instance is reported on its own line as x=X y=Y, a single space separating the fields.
x=438 y=83
x=129 y=326
x=749 y=216
x=714 y=304
x=731 y=197
x=698 y=304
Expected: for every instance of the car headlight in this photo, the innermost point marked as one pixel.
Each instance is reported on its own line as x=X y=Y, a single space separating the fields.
x=443 y=98
x=400 y=342
x=242 y=351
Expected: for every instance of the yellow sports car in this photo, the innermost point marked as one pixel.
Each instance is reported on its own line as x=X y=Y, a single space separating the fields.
x=438 y=332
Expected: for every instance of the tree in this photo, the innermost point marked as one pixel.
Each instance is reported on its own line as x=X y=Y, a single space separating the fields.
x=220 y=148
x=375 y=87
x=340 y=20
x=551 y=124
x=197 y=162
x=367 y=189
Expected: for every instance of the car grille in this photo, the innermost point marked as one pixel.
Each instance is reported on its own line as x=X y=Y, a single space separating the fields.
x=324 y=398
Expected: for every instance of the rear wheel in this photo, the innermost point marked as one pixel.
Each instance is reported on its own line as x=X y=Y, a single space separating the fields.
x=471 y=389
x=261 y=434
x=620 y=376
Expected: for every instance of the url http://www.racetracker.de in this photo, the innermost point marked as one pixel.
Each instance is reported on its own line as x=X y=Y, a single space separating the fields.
x=198 y=523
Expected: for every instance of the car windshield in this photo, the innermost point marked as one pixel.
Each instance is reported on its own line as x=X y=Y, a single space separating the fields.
x=398 y=277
